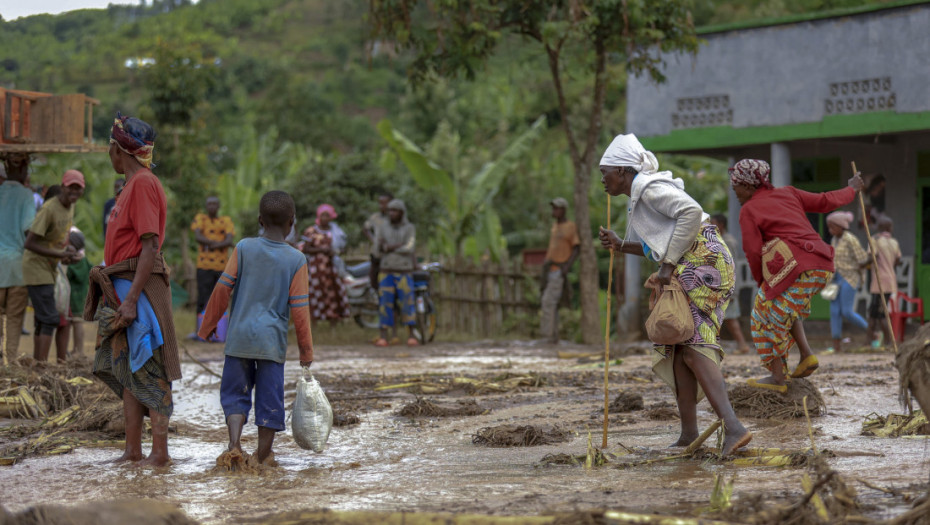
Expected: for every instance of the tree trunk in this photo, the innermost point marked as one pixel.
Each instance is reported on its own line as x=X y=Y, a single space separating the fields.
x=581 y=162
x=588 y=275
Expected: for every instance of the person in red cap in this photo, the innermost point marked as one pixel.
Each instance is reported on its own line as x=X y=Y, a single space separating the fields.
x=46 y=246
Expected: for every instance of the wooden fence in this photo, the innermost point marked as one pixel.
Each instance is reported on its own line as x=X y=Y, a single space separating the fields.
x=486 y=299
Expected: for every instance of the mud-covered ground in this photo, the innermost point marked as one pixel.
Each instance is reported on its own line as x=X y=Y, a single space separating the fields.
x=390 y=462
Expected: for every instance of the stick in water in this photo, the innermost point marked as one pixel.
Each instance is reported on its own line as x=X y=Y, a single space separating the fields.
x=881 y=291
x=610 y=291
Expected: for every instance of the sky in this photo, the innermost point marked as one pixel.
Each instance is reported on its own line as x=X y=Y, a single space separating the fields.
x=13 y=9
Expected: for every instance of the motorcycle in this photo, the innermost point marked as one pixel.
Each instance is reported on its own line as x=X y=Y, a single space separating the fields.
x=363 y=299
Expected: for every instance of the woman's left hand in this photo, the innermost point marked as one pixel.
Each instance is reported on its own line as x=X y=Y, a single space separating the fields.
x=665 y=273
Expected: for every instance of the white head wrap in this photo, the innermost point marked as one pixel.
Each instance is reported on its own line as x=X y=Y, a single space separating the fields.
x=625 y=150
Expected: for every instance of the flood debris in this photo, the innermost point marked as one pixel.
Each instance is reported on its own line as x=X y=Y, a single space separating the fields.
x=825 y=498
x=134 y=511
x=361 y=517
x=626 y=402
x=341 y=419
x=913 y=364
x=59 y=408
x=430 y=408
x=661 y=412
x=896 y=425
x=766 y=404
x=243 y=463
x=507 y=382
x=519 y=436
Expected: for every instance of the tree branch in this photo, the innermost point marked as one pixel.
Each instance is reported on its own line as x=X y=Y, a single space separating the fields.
x=553 y=55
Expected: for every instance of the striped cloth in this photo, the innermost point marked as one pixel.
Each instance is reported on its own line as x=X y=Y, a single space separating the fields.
x=158 y=291
x=772 y=320
x=148 y=384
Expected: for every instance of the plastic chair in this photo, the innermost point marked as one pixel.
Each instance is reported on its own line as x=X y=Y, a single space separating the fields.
x=899 y=316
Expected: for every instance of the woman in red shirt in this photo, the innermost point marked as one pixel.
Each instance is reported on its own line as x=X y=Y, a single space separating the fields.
x=787 y=277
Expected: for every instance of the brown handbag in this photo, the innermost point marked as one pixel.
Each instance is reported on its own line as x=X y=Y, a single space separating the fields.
x=777 y=261
x=670 y=322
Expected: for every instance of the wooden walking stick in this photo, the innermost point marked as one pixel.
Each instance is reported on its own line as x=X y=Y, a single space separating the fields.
x=881 y=291
x=610 y=275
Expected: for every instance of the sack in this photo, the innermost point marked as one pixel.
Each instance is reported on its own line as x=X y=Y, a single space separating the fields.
x=62 y=291
x=830 y=292
x=313 y=416
x=670 y=322
x=777 y=261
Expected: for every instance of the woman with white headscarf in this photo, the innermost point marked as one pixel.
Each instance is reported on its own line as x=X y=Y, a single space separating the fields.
x=667 y=226
x=849 y=259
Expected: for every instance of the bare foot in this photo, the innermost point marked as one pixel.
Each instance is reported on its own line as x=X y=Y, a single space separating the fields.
x=684 y=441
x=154 y=461
x=127 y=456
x=735 y=439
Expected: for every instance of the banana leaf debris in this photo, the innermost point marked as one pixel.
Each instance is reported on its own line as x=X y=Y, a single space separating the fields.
x=56 y=408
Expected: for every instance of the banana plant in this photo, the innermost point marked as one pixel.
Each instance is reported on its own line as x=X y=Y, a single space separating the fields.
x=260 y=167
x=470 y=226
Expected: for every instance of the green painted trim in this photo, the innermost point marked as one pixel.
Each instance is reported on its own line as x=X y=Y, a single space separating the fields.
x=806 y=17
x=831 y=126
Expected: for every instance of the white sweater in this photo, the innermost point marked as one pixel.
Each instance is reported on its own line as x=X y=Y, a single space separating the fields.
x=663 y=215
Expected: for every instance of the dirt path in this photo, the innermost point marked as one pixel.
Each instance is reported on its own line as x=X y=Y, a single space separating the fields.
x=389 y=462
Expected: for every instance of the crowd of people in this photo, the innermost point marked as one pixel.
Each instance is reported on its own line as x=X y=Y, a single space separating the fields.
x=267 y=281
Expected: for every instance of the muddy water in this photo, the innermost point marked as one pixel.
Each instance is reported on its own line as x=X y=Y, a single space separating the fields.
x=392 y=463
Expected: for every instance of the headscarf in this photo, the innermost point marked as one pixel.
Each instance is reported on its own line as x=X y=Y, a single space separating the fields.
x=625 y=150
x=841 y=218
x=135 y=137
x=327 y=208
x=752 y=172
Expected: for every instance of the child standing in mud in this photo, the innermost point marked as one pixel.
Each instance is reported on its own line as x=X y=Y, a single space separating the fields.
x=266 y=281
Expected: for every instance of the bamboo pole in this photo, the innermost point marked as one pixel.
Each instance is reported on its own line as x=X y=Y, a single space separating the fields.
x=696 y=444
x=610 y=274
x=881 y=291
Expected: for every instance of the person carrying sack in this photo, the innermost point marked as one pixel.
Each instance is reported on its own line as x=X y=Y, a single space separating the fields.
x=667 y=226
x=789 y=261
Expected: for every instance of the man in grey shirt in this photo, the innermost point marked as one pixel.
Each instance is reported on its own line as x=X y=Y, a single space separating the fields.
x=395 y=242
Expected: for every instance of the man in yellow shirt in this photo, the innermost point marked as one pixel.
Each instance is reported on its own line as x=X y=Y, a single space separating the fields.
x=561 y=255
x=214 y=235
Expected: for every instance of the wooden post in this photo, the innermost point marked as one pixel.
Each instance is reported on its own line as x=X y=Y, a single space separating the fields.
x=610 y=274
x=881 y=292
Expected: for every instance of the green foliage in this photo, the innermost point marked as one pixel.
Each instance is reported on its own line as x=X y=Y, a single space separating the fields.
x=458 y=37
x=352 y=183
x=471 y=226
x=261 y=165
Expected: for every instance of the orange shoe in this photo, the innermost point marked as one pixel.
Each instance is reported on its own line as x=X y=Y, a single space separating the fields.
x=381 y=342
x=412 y=341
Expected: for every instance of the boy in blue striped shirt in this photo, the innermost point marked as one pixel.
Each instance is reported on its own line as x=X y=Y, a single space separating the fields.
x=265 y=282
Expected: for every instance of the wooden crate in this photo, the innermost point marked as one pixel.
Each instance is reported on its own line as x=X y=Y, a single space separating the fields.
x=35 y=122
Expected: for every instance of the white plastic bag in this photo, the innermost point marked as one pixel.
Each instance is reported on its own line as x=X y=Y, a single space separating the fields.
x=62 y=291
x=313 y=416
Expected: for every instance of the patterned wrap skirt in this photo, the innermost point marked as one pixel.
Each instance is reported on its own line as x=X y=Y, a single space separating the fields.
x=148 y=384
x=708 y=277
x=772 y=320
